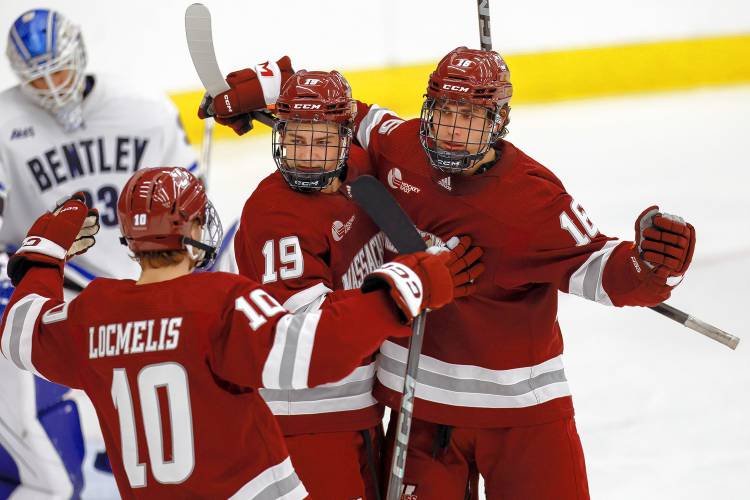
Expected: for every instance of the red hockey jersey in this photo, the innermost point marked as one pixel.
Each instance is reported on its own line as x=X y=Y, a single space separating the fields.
x=493 y=359
x=171 y=369
x=302 y=246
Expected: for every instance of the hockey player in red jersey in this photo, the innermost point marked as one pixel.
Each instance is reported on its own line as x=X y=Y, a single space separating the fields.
x=304 y=239
x=491 y=392
x=172 y=361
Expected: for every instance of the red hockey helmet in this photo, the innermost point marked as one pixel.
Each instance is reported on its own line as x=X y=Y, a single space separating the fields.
x=465 y=77
x=316 y=95
x=157 y=208
x=476 y=76
x=316 y=109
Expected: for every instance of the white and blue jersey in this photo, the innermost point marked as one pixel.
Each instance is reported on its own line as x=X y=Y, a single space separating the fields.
x=124 y=130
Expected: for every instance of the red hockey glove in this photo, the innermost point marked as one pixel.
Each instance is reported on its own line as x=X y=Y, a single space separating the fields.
x=464 y=265
x=250 y=90
x=55 y=237
x=656 y=261
x=665 y=240
x=416 y=281
x=241 y=124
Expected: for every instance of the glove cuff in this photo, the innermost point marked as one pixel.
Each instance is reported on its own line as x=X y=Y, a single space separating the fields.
x=408 y=293
x=40 y=245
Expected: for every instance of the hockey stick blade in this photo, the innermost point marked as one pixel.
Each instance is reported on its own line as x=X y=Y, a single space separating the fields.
x=387 y=214
x=697 y=325
x=383 y=209
x=201 y=47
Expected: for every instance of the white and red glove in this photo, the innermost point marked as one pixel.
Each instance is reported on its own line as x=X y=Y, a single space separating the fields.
x=428 y=280
x=658 y=259
x=56 y=237
x=250 y=90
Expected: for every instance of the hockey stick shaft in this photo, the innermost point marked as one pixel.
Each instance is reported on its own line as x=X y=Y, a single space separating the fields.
x=383 y=209
x=406 y=412
x=206 y=144
x=483 y=13
x=697 y=325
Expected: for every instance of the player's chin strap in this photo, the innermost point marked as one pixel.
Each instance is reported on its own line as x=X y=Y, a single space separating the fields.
x=489 y=164
x=208 y=251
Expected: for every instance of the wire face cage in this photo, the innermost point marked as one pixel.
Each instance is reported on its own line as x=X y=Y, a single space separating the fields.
x=456 y=133
x=310 y=153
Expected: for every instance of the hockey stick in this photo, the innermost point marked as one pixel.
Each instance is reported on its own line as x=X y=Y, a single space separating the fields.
x=483 y=13
x=697 y=325
x=208 y=135
x=710 y=331
x=201 y=46
x=383 y=209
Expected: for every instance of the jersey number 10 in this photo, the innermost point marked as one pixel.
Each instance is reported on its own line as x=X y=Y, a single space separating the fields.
x=173 y=378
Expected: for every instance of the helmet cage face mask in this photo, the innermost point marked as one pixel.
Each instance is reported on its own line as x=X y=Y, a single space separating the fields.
x=41 y=44
x=203 y=252
x=310 y=154
x=467 y=130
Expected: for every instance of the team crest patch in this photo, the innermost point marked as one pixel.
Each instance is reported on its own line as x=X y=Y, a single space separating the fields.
x=339 y=229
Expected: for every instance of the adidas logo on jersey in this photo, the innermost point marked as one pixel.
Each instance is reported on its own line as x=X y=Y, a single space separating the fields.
x=396 y=182
x=446 y=183
x=21 y=133
x=339 y=229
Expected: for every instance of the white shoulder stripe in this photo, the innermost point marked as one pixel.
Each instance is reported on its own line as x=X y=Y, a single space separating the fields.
x=371 y=119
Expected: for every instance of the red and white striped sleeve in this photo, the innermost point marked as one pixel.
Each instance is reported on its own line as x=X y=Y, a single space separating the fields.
x=371 y=123
x=38 y=333
x=265 y=346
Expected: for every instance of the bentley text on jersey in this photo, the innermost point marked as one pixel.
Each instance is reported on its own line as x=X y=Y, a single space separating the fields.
x=133 y=337
x=87 y=157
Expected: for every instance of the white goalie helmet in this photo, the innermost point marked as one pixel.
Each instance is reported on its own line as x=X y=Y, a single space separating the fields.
x=47 y=54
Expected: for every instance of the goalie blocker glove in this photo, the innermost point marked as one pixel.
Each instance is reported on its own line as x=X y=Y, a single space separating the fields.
x=659 y=257
x=431 y=279
x=56 y=237
x=249 y=90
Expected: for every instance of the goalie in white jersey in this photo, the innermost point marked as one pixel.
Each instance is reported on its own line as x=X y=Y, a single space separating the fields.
x=61 y=131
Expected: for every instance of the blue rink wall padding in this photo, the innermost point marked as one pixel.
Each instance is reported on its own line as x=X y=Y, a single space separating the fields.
x=9 y=477
x=60 y=420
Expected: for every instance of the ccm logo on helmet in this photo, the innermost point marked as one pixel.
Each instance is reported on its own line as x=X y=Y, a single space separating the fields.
x=307 y=106
x=312 y=81
x=455 y=88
